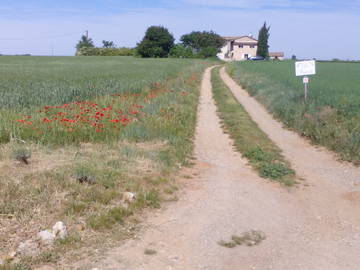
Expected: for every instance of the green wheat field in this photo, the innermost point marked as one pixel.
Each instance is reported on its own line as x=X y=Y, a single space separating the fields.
x=331 y=117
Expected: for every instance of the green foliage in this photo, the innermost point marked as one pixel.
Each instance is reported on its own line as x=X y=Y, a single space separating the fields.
x=330 y=117
x=157 y=42
x=208 y=52
x=249 y=139
x=107 y=220
x=106 y=51
x=108 y=44
x=149 y=199
x=274 y=170
x=202 y=40
x=84 y=42
x=180 y=51
x=263 y=41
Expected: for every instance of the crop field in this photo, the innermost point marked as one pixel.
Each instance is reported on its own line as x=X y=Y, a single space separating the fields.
x=331 y=117
x=78 y=132
x=31 y=86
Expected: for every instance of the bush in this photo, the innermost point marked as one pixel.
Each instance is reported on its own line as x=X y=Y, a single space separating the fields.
x=208 y=52
x=105 y=52
x=180 y=51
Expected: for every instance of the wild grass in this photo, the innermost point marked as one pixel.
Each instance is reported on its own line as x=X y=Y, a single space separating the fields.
x=263 y=155
x=330 y=117
x=79 y=176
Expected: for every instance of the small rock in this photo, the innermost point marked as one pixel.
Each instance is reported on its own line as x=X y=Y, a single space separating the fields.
x=12 y=255
x=28 y=248
x=46 y=237
x=80 y=227
x=60 y=230
x=129 y=197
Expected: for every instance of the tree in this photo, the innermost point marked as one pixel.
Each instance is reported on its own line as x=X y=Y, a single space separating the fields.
x=108 y=44
x=263 y=46
x=85 y=42
x=157 y=42
x=201 y=40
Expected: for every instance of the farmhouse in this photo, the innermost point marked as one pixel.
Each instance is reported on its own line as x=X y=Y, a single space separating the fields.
x=242 y=48
x=238 y=48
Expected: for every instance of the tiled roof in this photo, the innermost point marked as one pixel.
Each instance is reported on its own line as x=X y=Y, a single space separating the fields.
x=238 y=37
x=276 y=54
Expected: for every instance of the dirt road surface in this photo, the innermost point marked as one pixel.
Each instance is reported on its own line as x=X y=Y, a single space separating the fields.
x=313 y=226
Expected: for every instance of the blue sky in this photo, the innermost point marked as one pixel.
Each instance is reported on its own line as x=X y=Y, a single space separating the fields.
x=322 y=29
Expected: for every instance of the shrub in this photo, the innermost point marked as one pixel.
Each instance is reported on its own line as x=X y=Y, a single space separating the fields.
x=105 y=52
x=208 y=52
x=180 y=51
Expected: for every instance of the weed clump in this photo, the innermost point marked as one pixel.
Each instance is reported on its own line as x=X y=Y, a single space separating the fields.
x=108 y=220
x=84 y=175
x=22 y=155
x=251 y=238
x=274 y=170
x=149 y=251
x=228 y=244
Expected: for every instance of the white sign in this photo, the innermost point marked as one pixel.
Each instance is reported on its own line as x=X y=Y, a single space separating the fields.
x=306 y=80
x=304 y=68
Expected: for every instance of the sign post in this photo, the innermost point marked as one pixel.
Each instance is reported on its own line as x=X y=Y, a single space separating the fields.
x=305 y=68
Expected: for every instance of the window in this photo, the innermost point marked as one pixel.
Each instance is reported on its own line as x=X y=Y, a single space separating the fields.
x=252 y=46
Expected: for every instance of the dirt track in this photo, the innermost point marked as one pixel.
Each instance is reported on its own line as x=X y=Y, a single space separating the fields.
x=316 y=226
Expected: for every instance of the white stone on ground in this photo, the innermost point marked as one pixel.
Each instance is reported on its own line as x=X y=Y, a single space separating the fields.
x=28 y=248
x=59 y=230
x=129 y=197
x=46 y=237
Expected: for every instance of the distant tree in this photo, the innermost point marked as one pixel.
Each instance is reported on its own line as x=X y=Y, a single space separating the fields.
x=200 y=40
x=108 y=44
x=263 y=41
x=157 y=42
x=293 y=58
x=85 y=42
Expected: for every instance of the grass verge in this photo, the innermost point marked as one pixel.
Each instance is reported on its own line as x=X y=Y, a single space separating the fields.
x=263 y=155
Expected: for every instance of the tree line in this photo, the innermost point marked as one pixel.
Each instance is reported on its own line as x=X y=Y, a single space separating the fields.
x=158 y=42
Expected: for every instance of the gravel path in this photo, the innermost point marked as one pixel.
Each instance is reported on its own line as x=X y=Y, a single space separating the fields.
x=314 y=226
